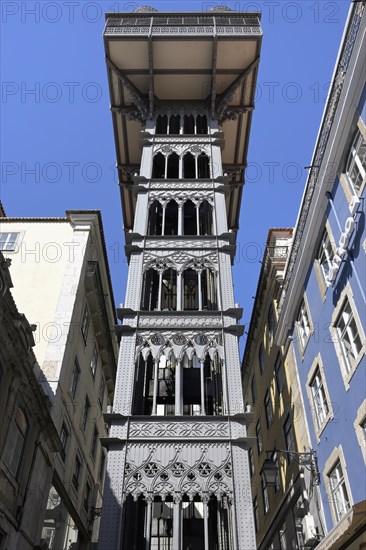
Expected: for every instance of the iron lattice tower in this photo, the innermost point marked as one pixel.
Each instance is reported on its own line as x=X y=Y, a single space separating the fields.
x=182 y=92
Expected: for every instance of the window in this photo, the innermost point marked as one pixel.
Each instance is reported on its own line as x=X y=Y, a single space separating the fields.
x=279 y=374
x=254 y=390
x=101 y=466
x=303 y=326
x=75 y=378
x=265 y=495
x=84 y=418
x=85 y=323
x=94 y=360
x=87 y=497
x=339 y=496
x=8 y=241
x=290 y=442
x=320 y=405
x=348 y=337
x=251 y=461
x=15 y=442
x=261 y=358
x=356 y=163
x=76 y=472
x=268 y=408
x=271 y=324
x=64 y=436
x=101 y=392
x=256 y=515
x=258 y=433
x=325 y=254
x=360 y=428
x=94 y=444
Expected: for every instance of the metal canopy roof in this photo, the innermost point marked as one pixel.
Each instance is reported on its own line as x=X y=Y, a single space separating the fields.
x=156 y=60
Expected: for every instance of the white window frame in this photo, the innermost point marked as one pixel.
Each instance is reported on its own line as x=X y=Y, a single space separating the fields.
x=320 y=417
x=348 y=366
x=337 y=460
x=304 y=325
x=354 y=161
x=360 y=428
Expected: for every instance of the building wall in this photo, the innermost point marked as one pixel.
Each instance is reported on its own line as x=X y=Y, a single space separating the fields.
x=322 y=305
x=55 y=298
x=28 y=439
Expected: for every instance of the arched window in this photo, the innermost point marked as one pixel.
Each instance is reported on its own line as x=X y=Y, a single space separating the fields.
x=189 y=218
x=189 y=167
x=169 y=290
x=203 y=166
x=15 y=442
x=173 y=166
x=201 y=124
x=188 y=127
x=161 y=124
x=158 y=170
x=190 y=278
x=143 y=392
x=155 y=223
x=171 y=218
x=150 y=290
x=174 y=124
x=206 y=219
x=208 y=289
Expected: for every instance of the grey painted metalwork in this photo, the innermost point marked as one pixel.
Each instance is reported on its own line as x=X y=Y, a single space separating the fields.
x=178 y=431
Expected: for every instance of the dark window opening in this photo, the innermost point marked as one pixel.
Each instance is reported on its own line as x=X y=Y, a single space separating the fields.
x=201 y=124
x=190 y=218
x=203 y=166
x=219 y=521
x=169 y=290
x=150 y=290
x=143 y=389
x=173 y=166
x=193 y=524
x=171 y=218
x=191 y=386
x=188 y=124
x=189 y=167
x=206 y=219
x=208 y=286
x=134 y=523
x=158 y=170
x=174 y=124
x=162 y=124
x=155 y=226
x=213 y=385
x=190 y=278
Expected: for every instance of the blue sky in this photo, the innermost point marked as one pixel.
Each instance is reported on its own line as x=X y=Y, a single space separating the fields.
x=57 y=148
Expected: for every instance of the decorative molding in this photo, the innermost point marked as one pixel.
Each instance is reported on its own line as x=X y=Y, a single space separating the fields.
x=181 y=197
x=168 y=429
x=183 y=320
x=168 y=30
x=164 y=259
x=175 y=243
x=175 y=469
